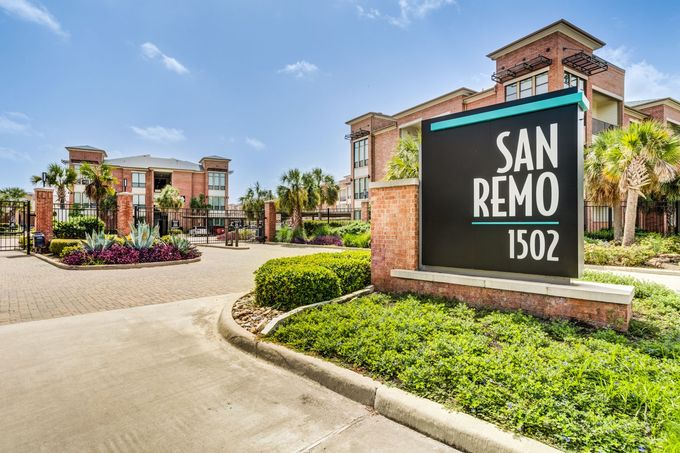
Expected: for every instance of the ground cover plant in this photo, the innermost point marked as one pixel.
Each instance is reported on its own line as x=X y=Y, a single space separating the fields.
x=575 y=387
x=649 y=249
x=286 y=283
x=348 y=233
x=142 y=246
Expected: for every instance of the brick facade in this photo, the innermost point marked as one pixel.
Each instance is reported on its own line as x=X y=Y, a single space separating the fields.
x=270 y=221
x=395 y=245
x=125 y=214
x=44 y=212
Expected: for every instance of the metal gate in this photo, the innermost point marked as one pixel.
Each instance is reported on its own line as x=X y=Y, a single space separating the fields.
x=15 y=225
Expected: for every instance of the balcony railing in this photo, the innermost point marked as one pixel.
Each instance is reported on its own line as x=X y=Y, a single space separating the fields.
x=599 y=126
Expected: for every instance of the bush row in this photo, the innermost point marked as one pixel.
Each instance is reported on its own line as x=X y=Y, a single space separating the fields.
x=76 y=227
x=319 y=232
x=646 y=247
x=286 y=283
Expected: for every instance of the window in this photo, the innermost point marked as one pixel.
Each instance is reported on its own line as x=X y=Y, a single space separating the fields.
x=217 y=181
x=571 y=80
x=530 y=86
x=138 y=200
x=361 y=188
x=216 y=202
x=360 y=153
x=674 y=127
x=82 y=199
x=138 y=180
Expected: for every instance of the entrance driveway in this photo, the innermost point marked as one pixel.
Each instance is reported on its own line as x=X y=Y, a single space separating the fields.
x=159 y=378
x=31 y=289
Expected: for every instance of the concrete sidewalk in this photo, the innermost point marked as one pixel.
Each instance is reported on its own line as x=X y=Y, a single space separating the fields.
x=159 y=378
x=664 y=278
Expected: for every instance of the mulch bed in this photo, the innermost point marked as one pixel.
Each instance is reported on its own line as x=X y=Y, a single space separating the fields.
x=251 y=316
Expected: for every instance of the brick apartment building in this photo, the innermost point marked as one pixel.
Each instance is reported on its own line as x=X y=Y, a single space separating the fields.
x=144 y=176
x=557 y=56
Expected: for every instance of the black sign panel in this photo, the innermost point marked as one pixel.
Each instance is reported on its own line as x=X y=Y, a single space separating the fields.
x=501 y=188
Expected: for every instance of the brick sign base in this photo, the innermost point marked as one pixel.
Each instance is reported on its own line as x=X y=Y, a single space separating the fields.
x=394 y=248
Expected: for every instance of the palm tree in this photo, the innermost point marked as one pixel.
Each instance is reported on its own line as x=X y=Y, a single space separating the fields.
x=296 y=192
x=648 y=155
x=326 y=188
x=61 y=178
x=101 y=182
x=600 y=187
x=253 y=201
x=13 y=194
x=405 y=163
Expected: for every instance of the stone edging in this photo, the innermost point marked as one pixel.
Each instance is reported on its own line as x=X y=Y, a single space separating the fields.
x=276 y=322
x=100 y=267
x=456 y=429
x=641 y=270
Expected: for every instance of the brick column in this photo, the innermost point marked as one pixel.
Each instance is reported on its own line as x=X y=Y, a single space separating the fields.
x=394 y=229
x=270 y=220
x=125 y=214
x=364 y=211
x=44 y=212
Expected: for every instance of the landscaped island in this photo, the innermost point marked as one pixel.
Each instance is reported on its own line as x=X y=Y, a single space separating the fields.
x=143 y=245
x=575 y=387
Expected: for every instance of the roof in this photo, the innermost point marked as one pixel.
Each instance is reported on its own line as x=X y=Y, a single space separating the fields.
x=670 y=102
x=562 y=26
x=214 y=157
x=87 y=148
x=369 y=114
x=444 y=97
x=642 y=102
x=148 y=161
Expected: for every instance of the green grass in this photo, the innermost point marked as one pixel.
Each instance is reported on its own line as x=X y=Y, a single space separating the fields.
x=574 y=387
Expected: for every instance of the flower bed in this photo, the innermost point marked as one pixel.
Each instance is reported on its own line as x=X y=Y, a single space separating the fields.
x=577 y=388
x=318 y=232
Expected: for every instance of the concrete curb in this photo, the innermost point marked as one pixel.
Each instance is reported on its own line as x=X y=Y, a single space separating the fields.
x=101 y=267
x=456 y=429
x=641 y=270
x=331 y=247
x=218 y=246
x=276 y=322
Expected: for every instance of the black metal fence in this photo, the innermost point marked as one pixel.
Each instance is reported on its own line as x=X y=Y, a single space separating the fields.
x=80 y=213
x=653 y=216
x=16 y=222
x=207 y=226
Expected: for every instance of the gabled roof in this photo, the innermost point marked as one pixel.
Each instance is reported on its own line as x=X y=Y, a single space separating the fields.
x=670 y=102
x=86 y=148
x=148 y=161
x=367 y=115
x=563 y=26
x=214 y=157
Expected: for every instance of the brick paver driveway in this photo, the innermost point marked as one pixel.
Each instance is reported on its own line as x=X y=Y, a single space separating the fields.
x=31 y=289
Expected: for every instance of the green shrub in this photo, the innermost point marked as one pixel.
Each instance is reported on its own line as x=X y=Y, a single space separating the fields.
x=290 y=286
x=174 y=231
x=362 y=240
x=605 y=234
x=603 y=253
x=577 y=388
x=71 y=248
x=323 y=227
x=351 y=269
x=354 y=227
x=58 y=245
x=284 y=234
x=77 y=227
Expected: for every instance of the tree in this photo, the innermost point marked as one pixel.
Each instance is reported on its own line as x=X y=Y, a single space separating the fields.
x=61 y=178
x=13 y=194
x=601 y=187
x=647 y=156
x=296 y=192
x=326 y=188
x=405 y=163
x=100 y=183
x=199 y=203
x=169 y=198
x=253 y=200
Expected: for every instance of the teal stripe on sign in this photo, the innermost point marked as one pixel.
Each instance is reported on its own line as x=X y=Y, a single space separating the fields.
x=516 y=223
x=573 y=98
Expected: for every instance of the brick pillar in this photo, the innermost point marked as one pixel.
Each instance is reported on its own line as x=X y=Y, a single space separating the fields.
x=394 y=229
x=364 y=211
x=270 y=220
x=125 y=214
x=44 y=212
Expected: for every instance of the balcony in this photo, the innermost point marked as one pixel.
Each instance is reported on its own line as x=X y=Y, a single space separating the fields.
x=599 y=126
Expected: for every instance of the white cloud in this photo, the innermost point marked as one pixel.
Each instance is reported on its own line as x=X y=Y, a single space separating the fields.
x=643 y=79
x=14 y=123
x=255 y=143
x=11 y=154
x=152 y=52
x=408 y=11
x=159 y=134
x=33 y=13
x=300 y=69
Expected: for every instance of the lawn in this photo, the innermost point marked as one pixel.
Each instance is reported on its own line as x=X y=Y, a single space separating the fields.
x=574 y=387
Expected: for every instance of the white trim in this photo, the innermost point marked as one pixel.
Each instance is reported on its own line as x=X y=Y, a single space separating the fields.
x=574 y=72
x=394 y=183
x=383 y=130
x=670 y=120
x=414 y=122
x=607 y=93
x=527 y=76
x=598 y=292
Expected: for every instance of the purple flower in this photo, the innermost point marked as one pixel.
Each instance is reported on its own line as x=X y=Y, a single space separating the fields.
x=326 y=240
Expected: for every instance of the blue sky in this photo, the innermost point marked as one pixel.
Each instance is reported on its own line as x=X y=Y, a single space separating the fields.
x=270 y=83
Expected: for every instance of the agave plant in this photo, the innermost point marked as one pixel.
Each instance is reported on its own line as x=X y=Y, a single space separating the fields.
x=97 y=242
x=180 y=243
x=142 y=236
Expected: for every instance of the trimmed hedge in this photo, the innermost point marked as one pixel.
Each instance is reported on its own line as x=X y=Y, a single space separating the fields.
x=76 y=227
x=286 y=283
x=58 y=245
